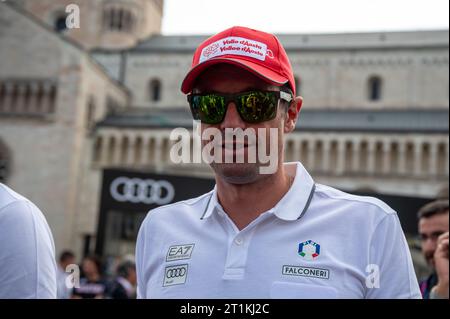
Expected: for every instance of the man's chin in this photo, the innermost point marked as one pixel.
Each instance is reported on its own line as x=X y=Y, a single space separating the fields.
x=237 y=173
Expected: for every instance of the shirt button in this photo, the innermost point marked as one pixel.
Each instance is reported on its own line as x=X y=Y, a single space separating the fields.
x=238 y=241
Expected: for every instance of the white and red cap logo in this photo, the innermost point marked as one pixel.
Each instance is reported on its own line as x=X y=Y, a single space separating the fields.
x=258 y=52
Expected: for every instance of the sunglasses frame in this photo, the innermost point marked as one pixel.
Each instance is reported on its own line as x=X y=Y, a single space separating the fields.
x=280 y=95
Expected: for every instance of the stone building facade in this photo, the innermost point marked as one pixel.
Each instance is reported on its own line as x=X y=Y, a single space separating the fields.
x=51 y=94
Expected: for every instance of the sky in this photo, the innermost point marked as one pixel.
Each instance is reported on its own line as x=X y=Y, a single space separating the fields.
x=304 y=16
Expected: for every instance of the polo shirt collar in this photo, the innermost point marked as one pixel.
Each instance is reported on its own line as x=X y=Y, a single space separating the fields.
x=294 y=203
x=213 y=203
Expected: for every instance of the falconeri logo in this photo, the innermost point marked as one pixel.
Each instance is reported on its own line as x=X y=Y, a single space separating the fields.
x=289 y=270
x=309 y=250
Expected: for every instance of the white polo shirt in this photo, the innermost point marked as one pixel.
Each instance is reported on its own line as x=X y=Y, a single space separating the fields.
x=317 y=242
x=27 y=250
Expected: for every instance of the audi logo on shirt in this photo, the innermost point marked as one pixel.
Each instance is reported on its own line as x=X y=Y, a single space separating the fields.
x=175 y=272
x=146 y=191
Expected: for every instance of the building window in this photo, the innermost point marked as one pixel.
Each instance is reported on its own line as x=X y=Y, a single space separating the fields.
x=60 y=22
x=112 y=106
x=118 y=19
x=155 y=90
x=90 y=113
x=28 y=97
x=374 y=88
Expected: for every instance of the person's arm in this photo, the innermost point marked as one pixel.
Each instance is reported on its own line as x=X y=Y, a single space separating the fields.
x=140 y=251
x=390 y=260
x=440 y=291
x=27 y=253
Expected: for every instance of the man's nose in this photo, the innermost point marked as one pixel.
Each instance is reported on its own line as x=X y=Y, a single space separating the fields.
x=232 y=118
x=429 y=245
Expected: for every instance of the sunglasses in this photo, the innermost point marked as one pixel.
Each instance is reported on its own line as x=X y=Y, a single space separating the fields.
x=253 y=106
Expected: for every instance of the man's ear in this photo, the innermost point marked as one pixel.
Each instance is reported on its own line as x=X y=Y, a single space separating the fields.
x=292 y=114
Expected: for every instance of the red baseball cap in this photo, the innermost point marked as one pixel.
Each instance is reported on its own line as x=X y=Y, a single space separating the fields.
x=258 y=52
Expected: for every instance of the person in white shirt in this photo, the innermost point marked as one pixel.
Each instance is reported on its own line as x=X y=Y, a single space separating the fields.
x=265 y=235
x=27 y=250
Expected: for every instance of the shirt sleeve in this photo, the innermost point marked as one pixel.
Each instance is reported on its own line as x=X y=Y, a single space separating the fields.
x=27 y=253
x=390 y=272
x=140 y=252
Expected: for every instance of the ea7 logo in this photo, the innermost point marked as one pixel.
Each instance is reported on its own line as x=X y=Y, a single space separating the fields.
x=179 y=252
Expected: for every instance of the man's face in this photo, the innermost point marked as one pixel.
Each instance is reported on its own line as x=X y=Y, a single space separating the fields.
x=89 y=267
x=430 y=229
x=132 y=278
x=228 y=79
x=67 y=261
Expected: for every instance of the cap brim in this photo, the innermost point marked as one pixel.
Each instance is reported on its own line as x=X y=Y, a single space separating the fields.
x=265 y=74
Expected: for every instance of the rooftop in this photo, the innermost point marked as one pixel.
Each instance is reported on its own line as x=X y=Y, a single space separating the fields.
x=292 y=42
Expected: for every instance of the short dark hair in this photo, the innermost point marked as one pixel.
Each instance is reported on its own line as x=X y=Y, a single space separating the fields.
x=124 y=268
x=286 y=88
x=436 y=207
x=65 y=255
x=97 y=261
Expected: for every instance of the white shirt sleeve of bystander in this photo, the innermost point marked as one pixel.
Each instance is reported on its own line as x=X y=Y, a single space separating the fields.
x=140 y=252
x=27 y=253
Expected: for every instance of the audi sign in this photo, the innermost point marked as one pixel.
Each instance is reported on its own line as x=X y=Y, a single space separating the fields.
x=127 y=196
x=137 y=190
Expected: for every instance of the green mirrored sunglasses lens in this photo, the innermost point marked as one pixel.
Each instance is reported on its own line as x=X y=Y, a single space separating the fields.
x=257 y=107
x=209 y=109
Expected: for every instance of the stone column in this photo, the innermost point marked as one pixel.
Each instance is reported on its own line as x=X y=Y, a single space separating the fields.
x=145 y=154
x=7 y=102
x=417 y=169
x=46 y=101
x=311 y=155
x=33 y=106
x=326 y=167
x=296 y=151
x=356 y=155
x=340 y=159
x=386 y=161
x=370 y=157
x=103 y=156
x=433 y=161
x=19 y=106
x=402 y=157
x=158 y=153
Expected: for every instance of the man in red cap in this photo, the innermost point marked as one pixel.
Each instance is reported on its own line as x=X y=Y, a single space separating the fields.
x=265 y=234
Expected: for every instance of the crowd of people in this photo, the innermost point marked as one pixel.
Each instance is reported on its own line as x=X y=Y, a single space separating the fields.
x=92 y=279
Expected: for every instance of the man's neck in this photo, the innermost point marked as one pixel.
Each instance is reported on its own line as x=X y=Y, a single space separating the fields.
x=244 y=203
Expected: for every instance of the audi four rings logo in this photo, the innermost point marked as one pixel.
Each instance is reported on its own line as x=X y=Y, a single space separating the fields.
x=147 y=191
x=175 y=272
